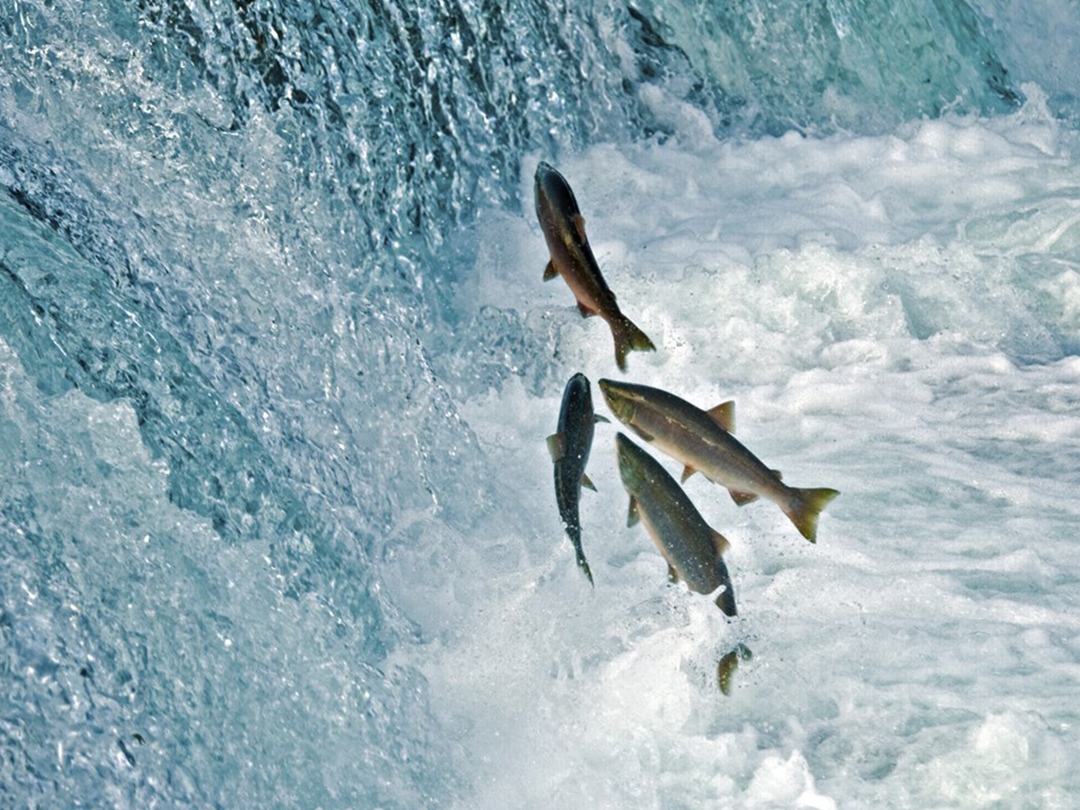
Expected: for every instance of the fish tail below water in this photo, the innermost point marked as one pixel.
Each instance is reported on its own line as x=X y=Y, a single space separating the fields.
x=725 y=669
x=805 y=507
x=628 y=338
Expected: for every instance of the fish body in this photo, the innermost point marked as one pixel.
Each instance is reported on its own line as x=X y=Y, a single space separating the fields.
x=702 y=441
x=692 y=548
x=569 y=449
x=572 y=258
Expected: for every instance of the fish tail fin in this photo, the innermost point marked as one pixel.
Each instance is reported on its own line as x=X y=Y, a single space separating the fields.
x=579 y=553
x=726 y=601
x=629 y=338
x=806 y=507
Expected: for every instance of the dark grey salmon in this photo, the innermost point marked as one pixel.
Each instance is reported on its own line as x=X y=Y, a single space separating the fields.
x=692 y=548
x=569 y=449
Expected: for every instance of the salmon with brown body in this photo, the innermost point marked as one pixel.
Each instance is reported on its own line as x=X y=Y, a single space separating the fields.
x=692 y=548
x=572 y=258
x=702 y=440
x=569 y=449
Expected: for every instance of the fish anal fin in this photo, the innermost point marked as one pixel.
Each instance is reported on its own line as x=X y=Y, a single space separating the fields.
x=556 y=444
x=724 y=415
x=549 y=271
x=585 y=311
x=742 y=498
x=587 y=482
x=672 y=574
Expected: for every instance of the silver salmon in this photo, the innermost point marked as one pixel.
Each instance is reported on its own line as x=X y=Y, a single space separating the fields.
x=702 y=440
x=569 y=449
x=572 y=258
x=693 y=549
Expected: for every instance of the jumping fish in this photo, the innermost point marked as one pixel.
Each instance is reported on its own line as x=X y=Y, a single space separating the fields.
x=693 y=549
x=572 y=258
x=702 y=440
x=569 y=450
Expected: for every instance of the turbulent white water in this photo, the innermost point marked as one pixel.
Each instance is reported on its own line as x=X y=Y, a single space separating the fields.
x=277 y=365
x=894 y=317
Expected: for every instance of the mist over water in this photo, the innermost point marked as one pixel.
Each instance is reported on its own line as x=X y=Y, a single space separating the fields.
x=277 y=523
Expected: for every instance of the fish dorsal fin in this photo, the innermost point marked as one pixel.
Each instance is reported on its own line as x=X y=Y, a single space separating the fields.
x=687 y=472
x=579 y=225
x=587 y=482
x=556 y=443
x=549 y=271
x=632 y=515
x=779 y=475
x=724 y=415
x=742 y=498
x=720 y=543
x=598 y=418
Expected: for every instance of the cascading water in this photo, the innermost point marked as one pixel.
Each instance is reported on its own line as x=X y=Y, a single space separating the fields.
x=276 y=365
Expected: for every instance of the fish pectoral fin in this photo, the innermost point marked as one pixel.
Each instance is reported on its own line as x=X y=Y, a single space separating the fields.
x=720 y=543
x=632 y=515
x=556 y=444
x=598 y=418
x=687 y=472
x=724 y=415
x=742 y=498
x=549 y=271
x=646 y=436
x=587 y=482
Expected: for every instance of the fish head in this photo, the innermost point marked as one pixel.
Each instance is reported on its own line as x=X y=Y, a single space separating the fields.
x=633 y=474
x=555 y=201
x=577 y=396
x=619 y=399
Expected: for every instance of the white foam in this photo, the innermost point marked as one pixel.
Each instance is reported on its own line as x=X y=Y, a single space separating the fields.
x=860 y=300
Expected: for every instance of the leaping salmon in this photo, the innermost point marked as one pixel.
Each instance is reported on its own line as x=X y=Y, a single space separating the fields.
x=572 y=258
x=702 y=440
x=693 y=549
x=569 y=449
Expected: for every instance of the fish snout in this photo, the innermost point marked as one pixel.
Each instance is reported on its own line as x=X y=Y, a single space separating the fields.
x=617 y=401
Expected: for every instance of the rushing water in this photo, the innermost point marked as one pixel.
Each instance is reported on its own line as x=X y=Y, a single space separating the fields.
x=277 y=525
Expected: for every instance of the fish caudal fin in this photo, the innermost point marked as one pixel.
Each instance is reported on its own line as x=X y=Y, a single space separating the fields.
x=726 y=600
x=805 y=507
x=574 y=533
x=628 y=338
